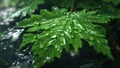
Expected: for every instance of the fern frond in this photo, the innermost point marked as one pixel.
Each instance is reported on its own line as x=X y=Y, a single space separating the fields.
x=59 y=29
x=29 y=7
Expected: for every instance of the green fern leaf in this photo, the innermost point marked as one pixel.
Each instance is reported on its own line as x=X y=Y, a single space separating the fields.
x=29 y=8
x=59 y=29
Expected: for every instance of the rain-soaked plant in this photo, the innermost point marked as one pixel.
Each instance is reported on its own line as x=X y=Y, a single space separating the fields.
x=68 y=23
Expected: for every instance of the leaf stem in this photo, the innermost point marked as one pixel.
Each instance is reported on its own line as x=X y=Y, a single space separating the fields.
x=72 y=7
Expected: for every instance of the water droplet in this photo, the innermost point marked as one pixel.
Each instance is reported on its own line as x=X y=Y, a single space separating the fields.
x=75 y=32
x=80 y=46
x=56 y=46
x=48 y=58
x=54 y=36
x=62 y=34
x=67 y=34
x=43 y=22
x=98 y=41
x=74 y=21
x=50 y=42
x=62 y=44
x=80 y=26
x=46 y=34
x=44 y=61
x=58 y=49
x=53 y=24
x=59 y=30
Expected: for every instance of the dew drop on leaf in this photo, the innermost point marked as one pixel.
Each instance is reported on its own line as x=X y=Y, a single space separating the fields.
x=62 y=34
x=80 y=26
x=56 y=46
x=54 y=36
x=48 y=58
x=50 y=42
x=58 y=49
